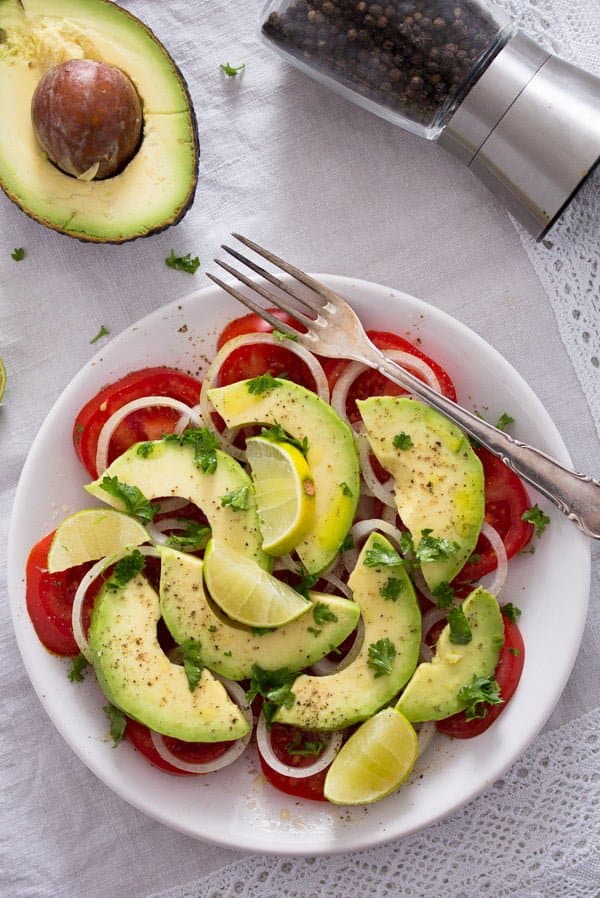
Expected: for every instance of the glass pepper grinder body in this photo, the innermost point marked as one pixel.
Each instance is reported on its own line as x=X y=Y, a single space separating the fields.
x=459 y=72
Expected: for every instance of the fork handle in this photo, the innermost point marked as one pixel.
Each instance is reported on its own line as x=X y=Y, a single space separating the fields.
x=576 y=495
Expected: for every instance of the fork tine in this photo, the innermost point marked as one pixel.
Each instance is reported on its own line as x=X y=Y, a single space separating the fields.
x=277 y=323
x=323 y=291
x=273 y=279
x=266 y=294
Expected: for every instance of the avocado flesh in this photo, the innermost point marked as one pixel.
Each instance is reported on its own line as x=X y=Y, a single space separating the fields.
x=135 y=674
x=432 y=693
x=355 y=693
x=232 y=650
x=439 y=484
x=168 y=469
x=331 y=456
x=157 y=186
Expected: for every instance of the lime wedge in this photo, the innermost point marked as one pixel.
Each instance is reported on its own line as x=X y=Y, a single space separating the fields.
x=374 y=761
x=91 y=534
x=2 y=379
x=285 y=493
x=246 y=592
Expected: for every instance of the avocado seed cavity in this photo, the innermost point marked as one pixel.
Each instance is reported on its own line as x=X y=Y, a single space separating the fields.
x=87 y=117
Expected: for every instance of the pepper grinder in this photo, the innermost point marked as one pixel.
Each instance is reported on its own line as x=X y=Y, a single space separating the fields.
x=459 y=72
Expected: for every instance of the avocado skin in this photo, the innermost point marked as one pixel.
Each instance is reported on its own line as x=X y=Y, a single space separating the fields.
x=183 y=208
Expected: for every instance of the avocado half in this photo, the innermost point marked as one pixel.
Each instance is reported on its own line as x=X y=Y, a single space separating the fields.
x=157 y=187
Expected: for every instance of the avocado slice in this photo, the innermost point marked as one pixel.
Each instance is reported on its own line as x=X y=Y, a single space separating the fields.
x=331 y=455
x=232 y=650
x=432 y=693
x=166 y=468
x=439 y=484
x=390 y=612
x=135 y=674
x=157 y=186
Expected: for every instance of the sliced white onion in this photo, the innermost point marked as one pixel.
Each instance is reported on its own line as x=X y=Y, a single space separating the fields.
x=361 y=530
x=171 y=504
x=237 y=748
x=339 y=394
x=263 y=741
x=383 y=491
x=495 y=541
x=94 y=572
x=425 y=735
x=109 y=427
x=431 y=617
x=157 y=530
x=337 y=583
x=210 y=378
x=389 y=514
x=326 y=666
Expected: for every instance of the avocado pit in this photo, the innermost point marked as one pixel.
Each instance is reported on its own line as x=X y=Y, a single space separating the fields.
x=87 y=117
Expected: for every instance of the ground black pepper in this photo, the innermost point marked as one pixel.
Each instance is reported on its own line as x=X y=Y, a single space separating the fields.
x=415 y=57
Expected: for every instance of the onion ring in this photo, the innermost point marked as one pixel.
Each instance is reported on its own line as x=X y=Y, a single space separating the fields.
x=263 y=741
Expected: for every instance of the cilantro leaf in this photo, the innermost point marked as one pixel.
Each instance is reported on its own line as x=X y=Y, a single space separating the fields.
x=281 y=336
x=402 y=441
x=204 y=443
x=307 y=582
x=407 y=545
x=478 y=695
x=78 y=665
x=504 y=421
x=460 y=630
x=194 y=536
x=346 y=491
x=125 y=570
x=511 y=612
x=236 y=499
x=381 y=554
x=232 y=70
x=262 y=384
x=276 y=434
x=145 y=450
x=18 y=254
x=322 y=613
x=537 y=517
x=305 y=748
x=432 y=548
x=391 y=589
x=444 y=595
x=381 y=656
x=275 y=688
x=189 y=652
x=131 y=496
x=118 y=722
x=348 y=542
x=103 y=332
x=183 y=263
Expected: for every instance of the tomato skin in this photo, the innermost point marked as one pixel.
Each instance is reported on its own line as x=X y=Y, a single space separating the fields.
x=505 y=502
x=191 y=752
x=147 y=424
x=310 y=787
x=253 y=324
x=49 y=599
x=508 y=673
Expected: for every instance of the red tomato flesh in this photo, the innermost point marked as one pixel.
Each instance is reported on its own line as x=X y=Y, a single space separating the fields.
x=189 y=752
x=283 y=740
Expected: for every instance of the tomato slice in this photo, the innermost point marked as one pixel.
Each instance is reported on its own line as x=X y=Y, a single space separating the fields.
x=252 y=324
x=508 y=673
x=147 y=424
x=505 y=502
x=49 y=599
x=190 y=752
x=371 y=383
x=284 y=739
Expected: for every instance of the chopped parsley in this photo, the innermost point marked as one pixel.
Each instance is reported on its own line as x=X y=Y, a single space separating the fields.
x=321 y=613
x=346 y=491
x=444 y=595
x=193 y=538
x=537 y=517
x=307 y=582
x=144 y=450
x=504 y=421
x=232 y=70
x=479 y=695
x=348 y=542
x=381 y=554
x=236 y=499
x=18 y=254
x=391 y=589
x=277 y=434
x=275 y=686
x=281 y=336
x=125 y=570
x=204 y=443
x=183 y=263
x=78 y=665
x=511 y=612
x=402 y=441
x=103 y=332
x=189 y=652
x=460 y=630
x=513 y=651
x=314 y=630
x=118 y=722
x=305 y=748
x=262 y=384
x=260 y=631
x=406 y=543
x=131 y=496
x=381 y=656
x=432 y=548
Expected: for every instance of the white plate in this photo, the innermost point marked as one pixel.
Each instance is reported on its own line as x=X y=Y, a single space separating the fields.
x=236 y=808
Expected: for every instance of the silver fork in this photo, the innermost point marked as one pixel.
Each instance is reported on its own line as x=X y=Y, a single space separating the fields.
x=334 y=330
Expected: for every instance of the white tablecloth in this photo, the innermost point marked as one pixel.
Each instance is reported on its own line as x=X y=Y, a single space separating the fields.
x=337 y=190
